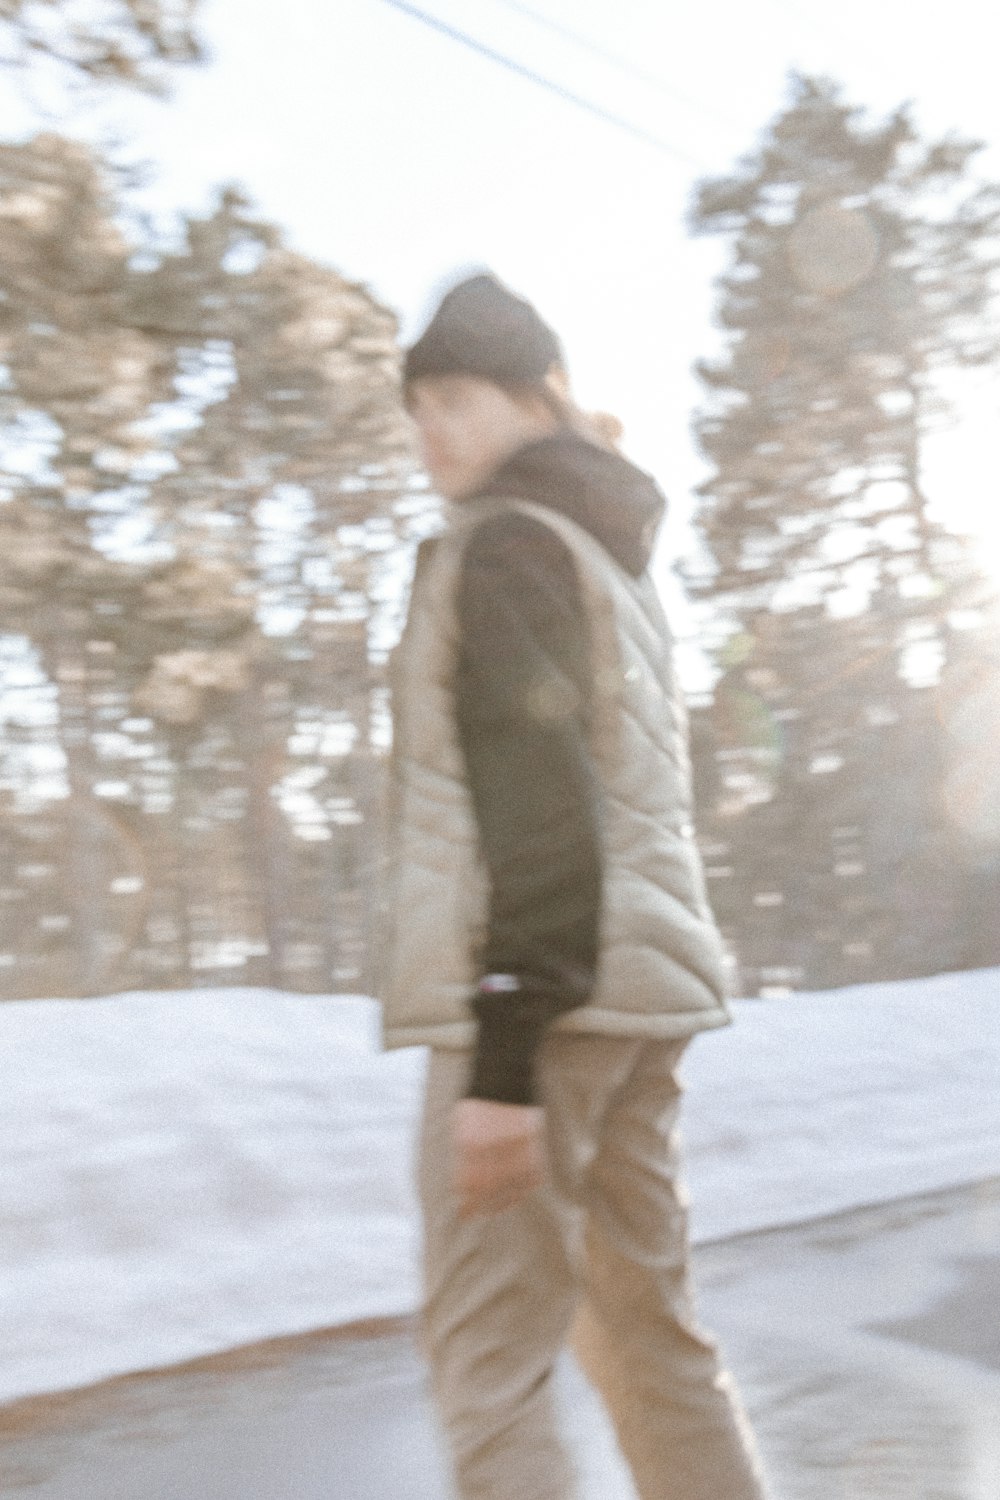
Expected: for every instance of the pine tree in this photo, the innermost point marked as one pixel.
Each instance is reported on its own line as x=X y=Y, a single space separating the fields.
x=130 y=43
x=862 y=272
x=205 y=455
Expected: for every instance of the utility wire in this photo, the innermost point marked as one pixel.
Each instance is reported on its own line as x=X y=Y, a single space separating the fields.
x=660 y=84
x=656 y=81
x=523 y=71
x=617 y=60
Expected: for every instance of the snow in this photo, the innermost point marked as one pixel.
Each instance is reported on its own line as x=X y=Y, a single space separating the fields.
x=183 y=1173
x=825 y=1102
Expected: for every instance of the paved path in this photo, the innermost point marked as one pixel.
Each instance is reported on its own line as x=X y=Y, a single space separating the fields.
x=867 y=1347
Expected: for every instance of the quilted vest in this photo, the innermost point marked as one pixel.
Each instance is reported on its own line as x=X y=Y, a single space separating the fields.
x=660 y=969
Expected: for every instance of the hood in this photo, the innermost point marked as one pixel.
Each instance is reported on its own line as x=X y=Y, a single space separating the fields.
x=619 y=504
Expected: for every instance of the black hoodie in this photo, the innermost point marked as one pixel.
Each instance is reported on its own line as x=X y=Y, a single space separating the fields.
x=522 y=699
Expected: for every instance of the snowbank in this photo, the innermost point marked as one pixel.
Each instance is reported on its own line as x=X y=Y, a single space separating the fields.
x=183 y=1173
x=824 y=1102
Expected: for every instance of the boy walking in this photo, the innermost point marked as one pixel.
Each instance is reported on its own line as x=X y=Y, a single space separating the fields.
x=551 y=944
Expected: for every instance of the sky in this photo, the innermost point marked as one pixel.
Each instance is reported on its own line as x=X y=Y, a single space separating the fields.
x=398 y=155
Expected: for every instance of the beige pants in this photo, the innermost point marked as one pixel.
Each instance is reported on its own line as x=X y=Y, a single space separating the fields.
x=600 y=1252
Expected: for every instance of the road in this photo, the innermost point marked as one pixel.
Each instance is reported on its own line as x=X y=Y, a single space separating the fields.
x=867 y=1347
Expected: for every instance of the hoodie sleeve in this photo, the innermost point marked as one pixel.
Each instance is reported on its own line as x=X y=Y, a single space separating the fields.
x=522 y=696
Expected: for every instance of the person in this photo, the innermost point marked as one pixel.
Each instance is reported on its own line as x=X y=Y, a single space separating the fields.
x=549 y=937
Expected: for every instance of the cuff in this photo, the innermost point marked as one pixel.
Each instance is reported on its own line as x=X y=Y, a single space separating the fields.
x=507 y=1042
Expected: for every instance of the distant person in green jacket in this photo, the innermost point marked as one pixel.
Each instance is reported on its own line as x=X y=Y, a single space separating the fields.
x=550 y=939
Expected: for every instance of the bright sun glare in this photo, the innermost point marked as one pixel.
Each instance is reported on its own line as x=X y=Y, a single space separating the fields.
x=960 y=474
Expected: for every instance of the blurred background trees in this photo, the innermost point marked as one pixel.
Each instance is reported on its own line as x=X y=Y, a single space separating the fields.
x=207 y=507
x=206 y=477
x=116 y=42
x=851 y=620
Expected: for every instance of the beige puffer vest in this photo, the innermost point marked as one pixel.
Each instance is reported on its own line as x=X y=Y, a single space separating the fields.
x=660 y=972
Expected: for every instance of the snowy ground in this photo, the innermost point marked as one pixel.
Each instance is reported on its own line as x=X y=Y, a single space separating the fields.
x=183 y=1173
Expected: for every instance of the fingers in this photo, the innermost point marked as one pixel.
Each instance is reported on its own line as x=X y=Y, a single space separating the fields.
x=499 y=1154
x=488 y=1183
x=483 y=1200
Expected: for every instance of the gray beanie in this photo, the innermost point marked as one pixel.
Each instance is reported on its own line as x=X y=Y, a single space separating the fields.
x=481 y=328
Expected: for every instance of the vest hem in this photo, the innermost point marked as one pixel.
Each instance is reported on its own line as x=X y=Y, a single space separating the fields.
x=460 y=1036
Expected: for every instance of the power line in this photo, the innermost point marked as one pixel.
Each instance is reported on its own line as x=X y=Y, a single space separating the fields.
x=617 y=60
x=656 y=81
x=660 y=84
x=523 y=71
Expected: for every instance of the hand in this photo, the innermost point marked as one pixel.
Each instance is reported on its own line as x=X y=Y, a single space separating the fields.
x=499 y=1152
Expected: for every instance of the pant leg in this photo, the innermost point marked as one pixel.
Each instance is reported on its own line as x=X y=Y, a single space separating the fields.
x=499 y=1297
x=677 y=1415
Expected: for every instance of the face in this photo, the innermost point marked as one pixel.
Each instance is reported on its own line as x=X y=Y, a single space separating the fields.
x=468 y=426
